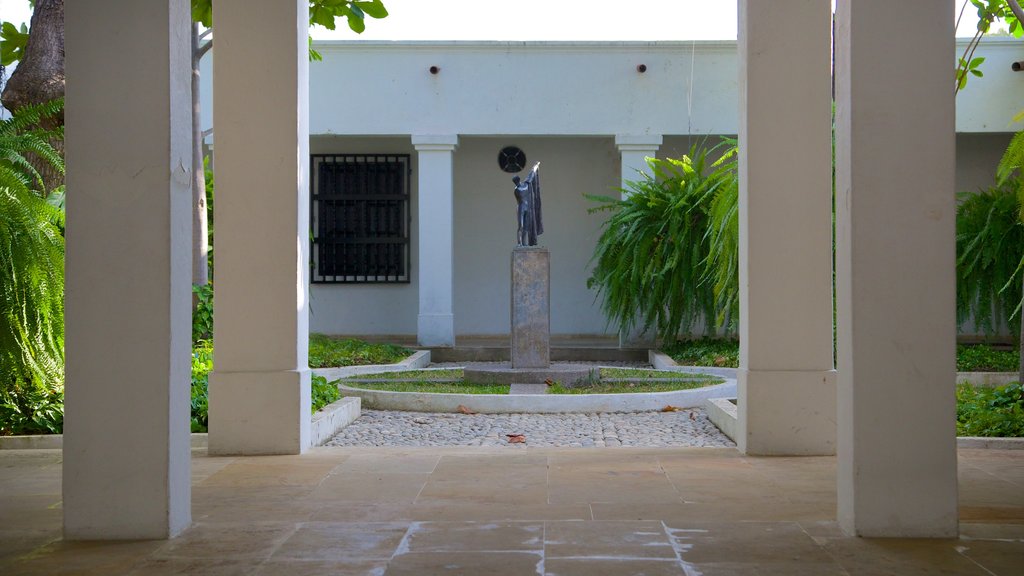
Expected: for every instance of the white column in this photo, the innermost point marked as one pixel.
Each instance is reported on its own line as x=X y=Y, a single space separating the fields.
x=128 y=271
x=634 y=151
x=436 y=184
x=895 y=268
x=259 y=389
x=787 y=395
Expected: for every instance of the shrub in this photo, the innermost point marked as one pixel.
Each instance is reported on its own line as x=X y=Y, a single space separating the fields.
x=990 y=411
x=324 y=392
x=983 y=358
x=202 y=315
x=327 y=352
x=717 y=352
x=31 y=278
x=990 y=251
x=202 y=365
x=653 y=263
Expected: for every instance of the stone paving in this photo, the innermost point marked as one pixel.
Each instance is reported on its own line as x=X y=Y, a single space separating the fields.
x=684 y=428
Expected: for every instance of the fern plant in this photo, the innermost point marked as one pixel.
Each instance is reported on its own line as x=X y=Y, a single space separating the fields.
x=990 y=247
x=651 y=263
x=31 y=278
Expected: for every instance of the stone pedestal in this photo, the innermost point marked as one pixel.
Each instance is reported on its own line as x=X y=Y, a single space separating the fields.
x=531 y=309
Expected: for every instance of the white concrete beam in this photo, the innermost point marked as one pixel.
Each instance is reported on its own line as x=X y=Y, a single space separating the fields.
x=895 y=268
x=436 y=224
x=259 y=389
x=127 y=297
x=786 y=378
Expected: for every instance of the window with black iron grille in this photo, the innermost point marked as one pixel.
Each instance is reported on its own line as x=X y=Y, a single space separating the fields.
x=360 y=217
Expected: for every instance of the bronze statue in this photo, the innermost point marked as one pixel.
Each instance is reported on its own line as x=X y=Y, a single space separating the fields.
x=528 y=215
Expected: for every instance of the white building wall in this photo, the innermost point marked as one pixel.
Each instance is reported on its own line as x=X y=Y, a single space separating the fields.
x=485 y=229
x=379 y=309
x=563 y=103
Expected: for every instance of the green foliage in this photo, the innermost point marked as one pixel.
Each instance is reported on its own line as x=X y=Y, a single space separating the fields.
x=985 y=411
x=12 y=42
x=990 y=252
x=984 y=358
x=653 y=264
x=31 y=411
x=31 y=279
x=202 y=365
x=719 y=352
x=21 y=136
x=208 y=174
x=989 y=13
x=321 y=13
x=324 y=392
x=327 y=352
x=202 y=316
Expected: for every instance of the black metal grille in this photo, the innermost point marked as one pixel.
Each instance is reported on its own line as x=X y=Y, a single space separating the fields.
x=360 y=217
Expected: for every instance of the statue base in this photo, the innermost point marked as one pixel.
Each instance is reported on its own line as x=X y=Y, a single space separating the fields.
x=531 y=308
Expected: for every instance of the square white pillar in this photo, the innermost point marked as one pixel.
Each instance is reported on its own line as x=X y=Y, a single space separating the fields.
x=633 y=152
x=787 y=396
x=436 y=222
x=128 y=270
x=895 y=268
x=260 y=385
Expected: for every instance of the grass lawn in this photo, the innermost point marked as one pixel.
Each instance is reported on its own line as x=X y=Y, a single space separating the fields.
x=720 y=353
x=726 y=353
x=327 y=352
x=984 y=358
x=982 y=411
x=433 y=387
x=425 y=375
x=630 y=387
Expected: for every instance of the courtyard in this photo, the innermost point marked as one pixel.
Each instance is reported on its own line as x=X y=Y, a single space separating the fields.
x=692 y=511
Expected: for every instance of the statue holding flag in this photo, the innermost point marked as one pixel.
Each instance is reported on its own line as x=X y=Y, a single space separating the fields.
x=529 y=221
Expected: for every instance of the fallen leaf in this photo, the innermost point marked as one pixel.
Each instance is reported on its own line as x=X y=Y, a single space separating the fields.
x=670 y=408
x=463 y=410
x=549 y=382
x=516 y=438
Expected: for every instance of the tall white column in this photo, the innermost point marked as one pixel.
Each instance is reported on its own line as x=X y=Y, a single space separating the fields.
x=787 y=395
x=895 y=268
x=128 y=270
x=436 y=222
x=259 y=389
x=633 y=151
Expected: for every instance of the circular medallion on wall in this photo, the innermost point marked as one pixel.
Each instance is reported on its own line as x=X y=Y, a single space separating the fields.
x=511 y=159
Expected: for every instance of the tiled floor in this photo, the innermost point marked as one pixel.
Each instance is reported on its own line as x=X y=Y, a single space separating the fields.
x=473 y=511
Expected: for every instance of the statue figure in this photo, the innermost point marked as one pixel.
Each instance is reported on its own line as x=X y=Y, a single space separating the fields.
x=528 y=215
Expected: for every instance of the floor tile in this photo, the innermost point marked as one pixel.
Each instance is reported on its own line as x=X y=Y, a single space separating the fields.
x=613 y=539
x=342 y=541
x=465 y=563
x=475 y=536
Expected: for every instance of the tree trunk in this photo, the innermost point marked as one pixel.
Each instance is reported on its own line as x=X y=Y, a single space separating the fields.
x=39 y=77
x=200 y=248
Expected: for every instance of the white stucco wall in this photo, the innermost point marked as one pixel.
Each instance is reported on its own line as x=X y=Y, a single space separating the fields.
x=563 y=103
x=485 y=229
x=383 y=309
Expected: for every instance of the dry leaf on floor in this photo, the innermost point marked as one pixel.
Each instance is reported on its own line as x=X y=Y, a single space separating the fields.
x=549 y=382
x=670 y=408
x=463 y=410
x=516 y=438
